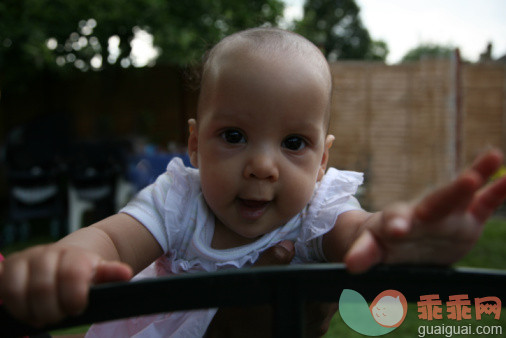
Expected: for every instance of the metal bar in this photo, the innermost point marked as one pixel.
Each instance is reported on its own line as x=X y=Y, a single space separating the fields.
x=256 y=286
x=288 y=321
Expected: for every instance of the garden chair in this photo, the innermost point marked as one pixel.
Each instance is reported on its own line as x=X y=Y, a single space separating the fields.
x=35 y=176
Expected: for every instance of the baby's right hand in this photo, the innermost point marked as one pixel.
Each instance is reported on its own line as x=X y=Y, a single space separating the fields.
x=43 y=284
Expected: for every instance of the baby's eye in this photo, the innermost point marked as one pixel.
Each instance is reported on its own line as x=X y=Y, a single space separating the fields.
x=294 y=143
x=233 y=136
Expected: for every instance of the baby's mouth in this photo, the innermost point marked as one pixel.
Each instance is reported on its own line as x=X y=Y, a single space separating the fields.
x=252 y=209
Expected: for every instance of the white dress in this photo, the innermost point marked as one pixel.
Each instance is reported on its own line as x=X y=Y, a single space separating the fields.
x=174 y=211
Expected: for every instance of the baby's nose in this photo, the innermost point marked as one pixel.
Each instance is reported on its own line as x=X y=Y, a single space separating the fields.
x=262 y=166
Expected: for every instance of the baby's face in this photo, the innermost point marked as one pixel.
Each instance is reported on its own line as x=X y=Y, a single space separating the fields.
x=260 y=143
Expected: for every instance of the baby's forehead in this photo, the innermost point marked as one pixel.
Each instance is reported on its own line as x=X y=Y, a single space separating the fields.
x=274 y=46
x=274 y=56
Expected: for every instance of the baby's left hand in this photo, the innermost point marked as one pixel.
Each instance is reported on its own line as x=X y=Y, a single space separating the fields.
x=439 y=229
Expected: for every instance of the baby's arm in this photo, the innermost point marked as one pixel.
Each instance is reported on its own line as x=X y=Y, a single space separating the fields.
x=43 y=284
x=440 y=228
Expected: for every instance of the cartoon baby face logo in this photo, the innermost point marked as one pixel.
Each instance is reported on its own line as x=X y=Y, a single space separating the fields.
x=389 y=308
x=386 y=313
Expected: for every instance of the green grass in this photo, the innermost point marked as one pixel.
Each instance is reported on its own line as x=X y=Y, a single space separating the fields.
x=409 y=328
x=490 y=252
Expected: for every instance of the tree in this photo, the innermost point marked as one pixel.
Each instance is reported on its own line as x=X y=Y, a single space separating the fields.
x=335 y=26
x=378 y=51
x=428 y=50
x=59 y=35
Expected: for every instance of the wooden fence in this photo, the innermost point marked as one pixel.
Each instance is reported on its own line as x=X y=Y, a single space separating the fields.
x=412 y=126
x=408 y=126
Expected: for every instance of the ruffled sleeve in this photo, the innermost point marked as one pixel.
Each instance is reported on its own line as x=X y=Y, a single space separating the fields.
x=333 y=196
x=163 y=206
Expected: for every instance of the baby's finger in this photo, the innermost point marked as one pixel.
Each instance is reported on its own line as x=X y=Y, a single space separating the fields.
x=397 y=221
x=111 y=271
x=74 y=278
x=13 y=287
x=487 y=164
x=455 y=196
x=280 y=254
x=488 y=200
x=43 y=302
x=364 y=253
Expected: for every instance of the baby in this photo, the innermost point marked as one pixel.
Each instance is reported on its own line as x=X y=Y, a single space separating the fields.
x=260 y=146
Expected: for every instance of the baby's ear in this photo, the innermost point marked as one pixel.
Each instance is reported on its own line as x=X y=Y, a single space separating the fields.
x=193 y=143
x=325 y=158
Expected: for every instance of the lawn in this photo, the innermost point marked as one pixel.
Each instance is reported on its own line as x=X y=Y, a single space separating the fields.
x=490 y=252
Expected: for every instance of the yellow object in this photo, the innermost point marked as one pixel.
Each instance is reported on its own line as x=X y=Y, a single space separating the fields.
x=499 y=173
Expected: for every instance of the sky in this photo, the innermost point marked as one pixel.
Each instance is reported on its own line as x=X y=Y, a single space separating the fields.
x=405 y=24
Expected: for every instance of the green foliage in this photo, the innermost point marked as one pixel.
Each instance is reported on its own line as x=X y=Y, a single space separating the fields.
x=378 y=51
x=335 y=27
x=428 y=51
x=194 y=28
x=36 y=33
x=58 y=35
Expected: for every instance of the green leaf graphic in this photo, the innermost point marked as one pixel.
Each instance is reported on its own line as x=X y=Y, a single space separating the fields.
x=355 y=312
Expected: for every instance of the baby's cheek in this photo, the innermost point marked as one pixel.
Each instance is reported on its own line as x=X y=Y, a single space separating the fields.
x=297 y=196
x=215 y=190
x=215 y=187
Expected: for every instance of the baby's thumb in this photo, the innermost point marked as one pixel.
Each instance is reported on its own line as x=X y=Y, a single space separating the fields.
x=111 y=271
x=279 y=254
x=363 y=254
